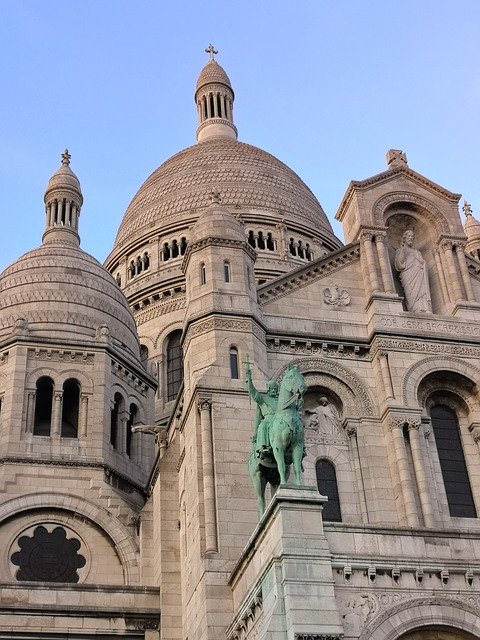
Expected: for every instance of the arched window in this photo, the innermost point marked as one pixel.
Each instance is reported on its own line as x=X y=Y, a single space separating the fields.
x=452 y=462
x=251 y=239
x=175 y=249
x=270 y=242
x=166 y=252
x=42 y=421
x=226 y=270
x=143 y=354
x=327 y=486
x=203 y=273
x=174 y=365
x=132 y=414
x=234 y=363
x=114 y=420
x=261 y=240
x=70 y=407
x=183 y=246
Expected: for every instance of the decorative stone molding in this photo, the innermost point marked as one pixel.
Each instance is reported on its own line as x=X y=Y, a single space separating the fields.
x=215 y=323
x=246 y=618
x=159 y=308
x=60 y=355
x=295 y=346
x=435 y=217
x=399 y=344
x=310 y=273
x=418 y=371
x=412 y=613
x=399 y=422
x=362 y=400
x=318 y=636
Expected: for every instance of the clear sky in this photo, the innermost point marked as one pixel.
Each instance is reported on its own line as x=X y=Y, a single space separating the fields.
x=327 y=86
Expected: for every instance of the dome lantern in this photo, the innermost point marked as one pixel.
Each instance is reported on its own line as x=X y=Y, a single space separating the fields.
x=214 y=99
x=63 y=200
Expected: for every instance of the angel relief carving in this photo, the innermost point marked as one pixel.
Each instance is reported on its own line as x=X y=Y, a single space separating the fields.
x=336 y=297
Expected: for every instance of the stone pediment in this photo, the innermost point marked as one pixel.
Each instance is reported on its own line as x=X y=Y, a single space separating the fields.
x=391 y=176
x=307 y=274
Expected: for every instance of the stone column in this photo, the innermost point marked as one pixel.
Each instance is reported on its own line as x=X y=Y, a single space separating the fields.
x=57 y=414
x=122 y=432
x=83 y=416
x=68 y=212
x=420 y=473
x=447 y=246
x=373 y=282
x=384 y=261
x=30 y=411
x=408 y=494
x=441 y=277
x=210 y=507
x=351 y=431
x=462 y=263
x=386 y=376
x=209 y=105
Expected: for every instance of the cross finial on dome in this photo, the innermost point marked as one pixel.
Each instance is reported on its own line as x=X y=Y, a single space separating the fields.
x=215 y=197
x=467 y=208
x=66 y=157
x=211 y=51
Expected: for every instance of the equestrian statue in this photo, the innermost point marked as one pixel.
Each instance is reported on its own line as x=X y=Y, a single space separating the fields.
x=278 y=440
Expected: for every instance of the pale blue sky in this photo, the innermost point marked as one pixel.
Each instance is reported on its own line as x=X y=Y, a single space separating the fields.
x=325 y=85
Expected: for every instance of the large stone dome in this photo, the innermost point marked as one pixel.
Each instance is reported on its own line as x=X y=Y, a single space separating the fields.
x=245 y=176
x=65 y=295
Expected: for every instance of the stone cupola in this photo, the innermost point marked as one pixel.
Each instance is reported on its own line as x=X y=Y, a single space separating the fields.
x=472 y=231
x=214 y=99
x=63 y=201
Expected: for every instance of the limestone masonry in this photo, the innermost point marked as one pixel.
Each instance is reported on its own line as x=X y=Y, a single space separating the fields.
x=126 y=506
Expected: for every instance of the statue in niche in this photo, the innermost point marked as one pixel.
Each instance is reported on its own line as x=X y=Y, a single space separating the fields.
x=324 y=418
x=412 y=267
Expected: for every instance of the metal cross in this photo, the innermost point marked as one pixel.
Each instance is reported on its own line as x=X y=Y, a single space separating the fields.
x=467 y=208
x=211 y=51
x=66 y=157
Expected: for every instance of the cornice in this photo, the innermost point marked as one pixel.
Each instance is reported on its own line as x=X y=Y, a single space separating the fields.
x=309 y=273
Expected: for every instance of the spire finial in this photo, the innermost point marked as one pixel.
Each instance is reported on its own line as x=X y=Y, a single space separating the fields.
x=211 y=51
x=66 y=157
x=467 y=209
x=215 y=196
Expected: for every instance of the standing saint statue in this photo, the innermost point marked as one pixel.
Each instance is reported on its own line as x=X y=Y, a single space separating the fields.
x=266 y=408
x=412 y=267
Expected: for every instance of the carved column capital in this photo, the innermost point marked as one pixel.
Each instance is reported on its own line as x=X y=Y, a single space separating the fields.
x=366 y=235
x=399 y=422
x=351 y=431
x=204 y=404
x=58 y=395
x=474 y=429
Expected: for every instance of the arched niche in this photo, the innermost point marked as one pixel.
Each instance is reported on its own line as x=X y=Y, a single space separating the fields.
x=353 y=398
x=423 y=614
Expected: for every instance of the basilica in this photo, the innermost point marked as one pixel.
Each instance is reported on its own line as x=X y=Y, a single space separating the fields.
x=132 y=397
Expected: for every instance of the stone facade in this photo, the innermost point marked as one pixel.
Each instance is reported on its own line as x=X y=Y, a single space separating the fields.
x=126 y=509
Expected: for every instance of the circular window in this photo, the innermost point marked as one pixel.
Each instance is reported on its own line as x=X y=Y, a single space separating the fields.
x=48 y=556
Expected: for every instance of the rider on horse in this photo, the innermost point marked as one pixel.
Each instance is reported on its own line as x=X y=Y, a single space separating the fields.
x=266 y=409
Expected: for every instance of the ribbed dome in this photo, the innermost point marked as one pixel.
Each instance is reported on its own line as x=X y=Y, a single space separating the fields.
x=472 y=228
x=212 y=72
x=244 y=175
x=63 y=178
x=65 y=295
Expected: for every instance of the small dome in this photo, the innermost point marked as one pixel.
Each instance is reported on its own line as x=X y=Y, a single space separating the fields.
x=64 y=294
x=64 y=179
x=217 y=222
x=471 y=227
x=212 y=73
